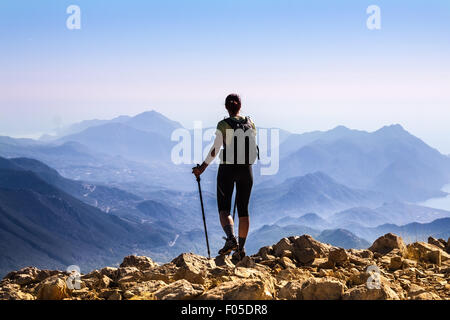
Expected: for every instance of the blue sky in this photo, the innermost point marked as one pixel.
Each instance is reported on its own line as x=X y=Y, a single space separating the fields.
x=300 y=65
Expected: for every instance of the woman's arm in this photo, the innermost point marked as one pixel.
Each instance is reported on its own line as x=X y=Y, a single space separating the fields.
x=218 y=141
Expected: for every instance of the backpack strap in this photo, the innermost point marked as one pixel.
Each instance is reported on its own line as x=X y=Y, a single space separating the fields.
x=234 y=123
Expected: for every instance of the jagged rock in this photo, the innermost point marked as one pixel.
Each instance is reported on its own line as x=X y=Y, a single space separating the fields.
x=447 y=247
x=293 y=274
x=304 y=256
x=287 y=254
x=310 y=270
x=287 y=263
x=306 y=241
x=338 y=256
x=282 y=245
x=426 y=296
x=253 y=273
x=435 y=257
x=246 y=262
x=322 y=289
x=140 y=262
x=356 y=260
x=387 y=243
x=110 y=272
x=251 y=289
x=422 y=251
x=436 y=243
x=29 y=275
x=223 y=261
x=97 y=279
x=115 y=295
x=396 y=263
x=361 y=292
x=192 y=267
x=361 y=253
x=129 y=274
x=271 y=263
x=179 y=290
x=266 y=253
x=418 y=293
x=143 y=288
x=265 y=250
x=104 y=282
x=408 y=263
x=53 y=288
x=324 y=263
x=83 y=294
x=165 y=273
x=11 y=291
x=358 y=278
x=292 y=290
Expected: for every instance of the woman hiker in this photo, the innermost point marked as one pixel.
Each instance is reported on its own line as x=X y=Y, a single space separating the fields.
x=233 y=169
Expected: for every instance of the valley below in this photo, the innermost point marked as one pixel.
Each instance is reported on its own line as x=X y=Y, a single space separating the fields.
x=104 y=189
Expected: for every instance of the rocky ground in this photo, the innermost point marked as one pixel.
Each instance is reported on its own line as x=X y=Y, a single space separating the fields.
x=294 y=268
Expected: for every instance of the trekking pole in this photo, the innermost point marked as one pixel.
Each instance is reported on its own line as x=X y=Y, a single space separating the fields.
x=234 y=210
x=203 y=213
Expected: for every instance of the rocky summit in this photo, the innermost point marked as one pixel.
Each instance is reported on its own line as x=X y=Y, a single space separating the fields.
x=297 y=267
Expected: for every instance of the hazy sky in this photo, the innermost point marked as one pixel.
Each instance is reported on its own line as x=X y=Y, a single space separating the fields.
x=300 y=65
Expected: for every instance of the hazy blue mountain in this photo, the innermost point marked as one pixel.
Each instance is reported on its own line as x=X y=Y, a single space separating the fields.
x=295 y=142
x=403 y=213
x=105 y=198
x=439 y=228
x=45 y=227
x=162 y=212
x=118 y=139
x=75 y=161
x=343 y=238
x=393 y=213
x=311 y=220
x=358 y=216
x=364 y=221
x=66 y=154
x=315 y=192
x=150 y=121
x=24 y=142
x=389 y=160
x=188 y=207
x=81 y=126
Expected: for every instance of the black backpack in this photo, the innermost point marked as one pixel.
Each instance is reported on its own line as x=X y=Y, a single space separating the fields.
x=251 y=148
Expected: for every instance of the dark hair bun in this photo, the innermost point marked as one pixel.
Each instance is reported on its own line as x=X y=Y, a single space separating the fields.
x=233 y=103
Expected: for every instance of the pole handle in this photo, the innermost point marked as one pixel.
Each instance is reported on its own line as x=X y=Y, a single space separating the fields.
x=196 y=167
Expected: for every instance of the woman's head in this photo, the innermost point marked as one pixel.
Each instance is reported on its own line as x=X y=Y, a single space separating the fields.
x=233 y=103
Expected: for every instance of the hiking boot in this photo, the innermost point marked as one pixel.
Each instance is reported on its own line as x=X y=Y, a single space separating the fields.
x=230 y=245
x=238 y=255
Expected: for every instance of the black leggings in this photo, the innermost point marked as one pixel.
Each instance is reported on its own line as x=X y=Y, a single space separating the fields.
x=227 y=175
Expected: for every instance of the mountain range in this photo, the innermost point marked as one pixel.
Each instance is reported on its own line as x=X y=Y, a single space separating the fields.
x=343 y=186
x=315 y=192
x=389 y=160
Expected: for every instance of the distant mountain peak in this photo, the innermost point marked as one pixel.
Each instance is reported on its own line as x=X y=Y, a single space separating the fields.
x=392 y=129
x=340 y=128
x=152 y=118
x=150 y=113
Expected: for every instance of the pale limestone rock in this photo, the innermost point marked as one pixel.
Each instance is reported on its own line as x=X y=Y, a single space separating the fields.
x=387 y=243
x=179 y=290
x=323 y=289
x=141 y=262
x=53 y=288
